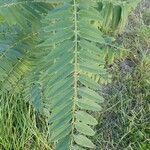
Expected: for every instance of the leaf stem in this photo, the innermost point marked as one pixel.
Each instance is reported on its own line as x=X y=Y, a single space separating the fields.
x=75 y=66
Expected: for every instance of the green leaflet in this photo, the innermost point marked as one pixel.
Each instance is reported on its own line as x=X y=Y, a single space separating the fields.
x=117 y=11
x=64 y=144
x=36 y=97
x=59 y=13
x=108 y=14
x=94 y=59
x=86 y=118
x=88 y=4
x=60 y=112
x=60 y=25
x=84 y=129
x=91 y=47
x=65 y=97
x=58 y=65
x=90 y=94
x=61 y=132
x=60 y=123
x=60 y=87
x=90 y=35
x=76 y=147
x=58 y=37
x=66 y=46
x=86 y=104
x=90 y=68
x=83 y=141
x=91 y=14
x=88 y=82
x=35 y=90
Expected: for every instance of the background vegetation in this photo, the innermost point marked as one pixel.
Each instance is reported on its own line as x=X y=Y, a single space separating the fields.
x=124 y=123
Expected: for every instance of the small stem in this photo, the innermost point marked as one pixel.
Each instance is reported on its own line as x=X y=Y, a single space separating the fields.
x=75 y=67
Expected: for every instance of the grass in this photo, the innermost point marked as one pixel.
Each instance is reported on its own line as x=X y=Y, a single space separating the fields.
x=124 y=121
x=22 y=129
